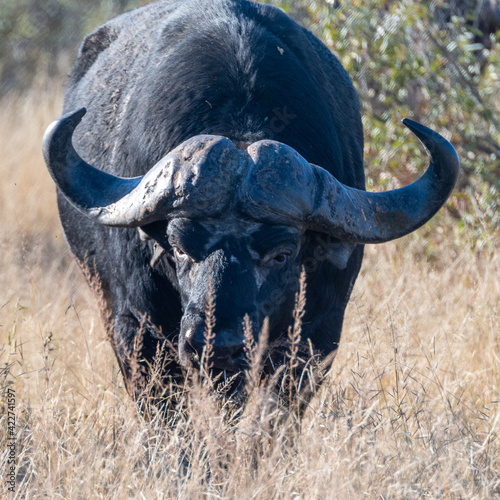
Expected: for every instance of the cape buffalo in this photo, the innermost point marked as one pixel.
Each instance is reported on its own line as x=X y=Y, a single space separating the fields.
x=222 y=147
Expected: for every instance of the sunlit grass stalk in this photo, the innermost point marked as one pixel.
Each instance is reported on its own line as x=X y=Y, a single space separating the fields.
x=294 y=335
x=206 y=361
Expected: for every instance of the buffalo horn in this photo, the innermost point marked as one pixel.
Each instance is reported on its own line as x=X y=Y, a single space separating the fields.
x=197 y=179
x=181 y=183
x=283 y=188
x=362 y=217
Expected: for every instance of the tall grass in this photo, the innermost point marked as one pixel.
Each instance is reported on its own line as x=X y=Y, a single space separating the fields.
x=410 y=408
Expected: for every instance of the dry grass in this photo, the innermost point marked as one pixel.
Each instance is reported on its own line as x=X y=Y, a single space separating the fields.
x=410 y=409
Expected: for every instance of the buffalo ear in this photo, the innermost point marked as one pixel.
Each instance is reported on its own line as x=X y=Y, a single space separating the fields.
x=156 y=231
x=333 y=250
x=339 y=253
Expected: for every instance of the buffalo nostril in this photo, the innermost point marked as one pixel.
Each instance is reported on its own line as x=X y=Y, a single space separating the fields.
x=228 y=347
x=195 y=340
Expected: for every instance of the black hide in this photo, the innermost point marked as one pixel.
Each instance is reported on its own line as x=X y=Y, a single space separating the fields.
x=159 y=75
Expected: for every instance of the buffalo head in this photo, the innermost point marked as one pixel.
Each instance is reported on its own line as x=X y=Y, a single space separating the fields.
x=238 y=222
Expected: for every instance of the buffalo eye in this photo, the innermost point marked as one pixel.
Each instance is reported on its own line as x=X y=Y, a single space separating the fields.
x=277 y=259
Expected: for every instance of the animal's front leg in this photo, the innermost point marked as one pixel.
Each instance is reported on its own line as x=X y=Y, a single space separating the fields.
x=144 y=360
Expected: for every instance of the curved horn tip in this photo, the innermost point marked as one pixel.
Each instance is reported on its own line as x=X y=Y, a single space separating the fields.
x=72 y=119
x=421 y=131
x=81 y=111
x=433 y=141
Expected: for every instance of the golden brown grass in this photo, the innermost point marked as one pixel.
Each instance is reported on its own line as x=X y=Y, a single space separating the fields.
x=410 y=409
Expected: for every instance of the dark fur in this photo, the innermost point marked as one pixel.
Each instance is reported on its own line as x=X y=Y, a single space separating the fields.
x=159 y=75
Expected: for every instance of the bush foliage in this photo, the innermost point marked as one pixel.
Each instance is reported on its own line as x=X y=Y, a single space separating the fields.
x=407 y=59
x=41 y=37
x=418 y=60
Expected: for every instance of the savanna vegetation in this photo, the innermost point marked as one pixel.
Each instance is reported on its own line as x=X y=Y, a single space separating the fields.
x=410 y=407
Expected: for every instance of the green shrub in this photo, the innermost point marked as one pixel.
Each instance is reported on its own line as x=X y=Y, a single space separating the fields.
x=408 y=60
x=41 y=37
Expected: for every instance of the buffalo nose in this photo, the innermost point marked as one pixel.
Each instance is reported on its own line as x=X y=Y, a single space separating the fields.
x=226 y=346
